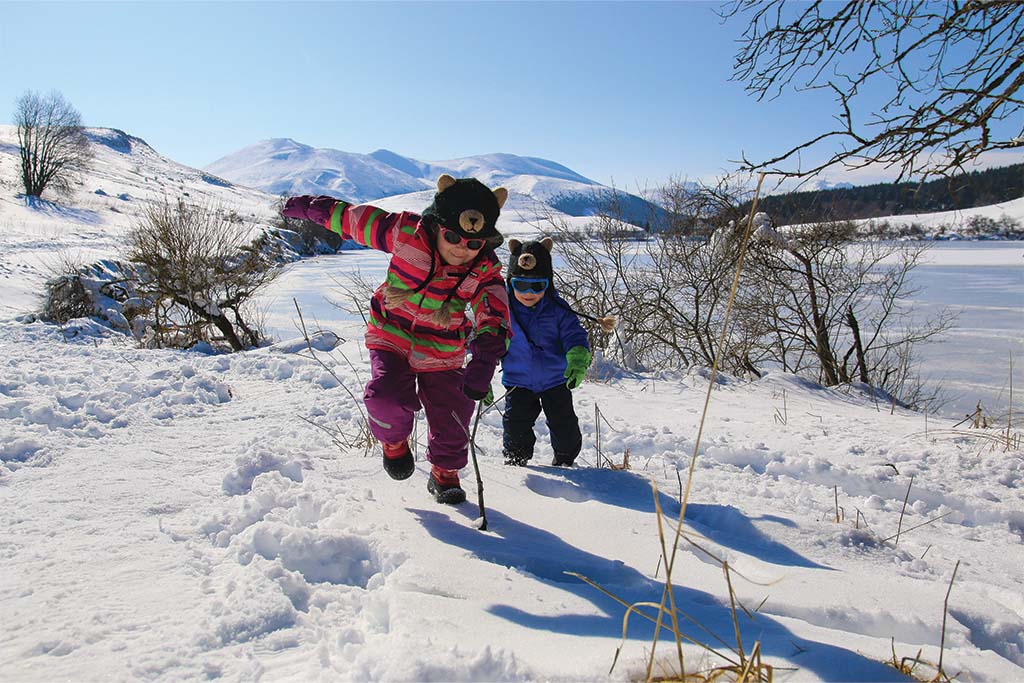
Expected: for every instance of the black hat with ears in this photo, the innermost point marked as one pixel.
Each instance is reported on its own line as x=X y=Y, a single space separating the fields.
x=530 y=259
x=467 y=207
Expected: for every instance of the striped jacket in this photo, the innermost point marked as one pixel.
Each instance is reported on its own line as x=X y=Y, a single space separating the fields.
x=421 y=326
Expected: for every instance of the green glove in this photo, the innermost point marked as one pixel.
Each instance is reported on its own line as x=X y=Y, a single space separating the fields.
x=576 y=363
x=489 y=398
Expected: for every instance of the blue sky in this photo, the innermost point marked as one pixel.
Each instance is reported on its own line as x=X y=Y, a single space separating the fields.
x=626 y=92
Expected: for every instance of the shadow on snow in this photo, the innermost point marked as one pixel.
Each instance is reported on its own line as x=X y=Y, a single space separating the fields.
x=723 y=524
x=53 y=210
x=540 y=553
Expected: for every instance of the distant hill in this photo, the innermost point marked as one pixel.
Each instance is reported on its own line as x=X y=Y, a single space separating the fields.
x=282 y=166
x=970 y=190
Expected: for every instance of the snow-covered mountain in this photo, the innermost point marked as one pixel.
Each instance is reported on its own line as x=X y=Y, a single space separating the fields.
x=282 y=166
x=825 y=184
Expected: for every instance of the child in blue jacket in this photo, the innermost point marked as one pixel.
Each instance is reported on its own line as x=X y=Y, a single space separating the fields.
x=548 y=356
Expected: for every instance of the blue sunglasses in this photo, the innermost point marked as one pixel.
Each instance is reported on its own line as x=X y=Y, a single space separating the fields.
x=530 y=284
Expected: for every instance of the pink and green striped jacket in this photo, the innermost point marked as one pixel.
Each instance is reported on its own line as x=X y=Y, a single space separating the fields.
x=409 y=326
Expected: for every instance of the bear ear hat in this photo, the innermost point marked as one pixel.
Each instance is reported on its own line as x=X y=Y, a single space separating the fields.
x=514 y=245
x=548 y=243
x=444 y=181
x=501 y=194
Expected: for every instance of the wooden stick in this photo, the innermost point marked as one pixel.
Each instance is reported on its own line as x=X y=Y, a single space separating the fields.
x=905 y=499
x=945 y=611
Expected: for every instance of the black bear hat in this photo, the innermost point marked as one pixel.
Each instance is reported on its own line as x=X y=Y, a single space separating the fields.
x=531 y=259
x=467 y=207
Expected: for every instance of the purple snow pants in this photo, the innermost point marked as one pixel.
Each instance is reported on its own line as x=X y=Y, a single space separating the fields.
x=392 y=398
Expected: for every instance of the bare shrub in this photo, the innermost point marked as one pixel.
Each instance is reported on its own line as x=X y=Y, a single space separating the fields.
x=53 y=145
x=64 y=296
x=357 y=289
x=197 y=274
x=668 y=290
x=65 y=299
x=1006 y=226
x=815 y=301
x=838 y=308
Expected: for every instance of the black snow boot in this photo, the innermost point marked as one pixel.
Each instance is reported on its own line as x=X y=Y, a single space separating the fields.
x=516 y=459
x=444 y=486
x=561 y=460
x=398 y=461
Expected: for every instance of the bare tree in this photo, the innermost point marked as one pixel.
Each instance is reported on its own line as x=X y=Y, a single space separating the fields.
x=53 y=144
x=953 y=73
x=197 y=273
x=838 y=308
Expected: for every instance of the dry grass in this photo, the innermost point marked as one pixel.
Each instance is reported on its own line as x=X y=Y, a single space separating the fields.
x=362 y=438
x=730 y=661
x=720 y=661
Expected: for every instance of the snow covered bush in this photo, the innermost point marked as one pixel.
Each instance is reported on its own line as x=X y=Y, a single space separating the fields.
x=104 y=290
x=197 y=272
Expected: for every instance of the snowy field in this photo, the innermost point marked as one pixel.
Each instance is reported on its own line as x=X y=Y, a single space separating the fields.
x=180 y=516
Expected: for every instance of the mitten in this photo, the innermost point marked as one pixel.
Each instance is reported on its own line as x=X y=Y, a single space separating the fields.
x=486 y=350
x=577 y=360
x=308 y=207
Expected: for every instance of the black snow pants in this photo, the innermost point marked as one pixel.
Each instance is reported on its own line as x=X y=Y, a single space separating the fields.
x=522 y=407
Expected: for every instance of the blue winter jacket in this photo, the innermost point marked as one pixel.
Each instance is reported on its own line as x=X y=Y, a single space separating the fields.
x=541 y=336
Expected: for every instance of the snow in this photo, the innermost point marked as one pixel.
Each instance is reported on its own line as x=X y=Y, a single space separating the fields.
x=177 y=514
x=181 y=515
x=952 y=221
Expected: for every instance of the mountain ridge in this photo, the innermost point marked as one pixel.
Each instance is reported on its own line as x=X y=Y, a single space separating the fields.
x=283 y=166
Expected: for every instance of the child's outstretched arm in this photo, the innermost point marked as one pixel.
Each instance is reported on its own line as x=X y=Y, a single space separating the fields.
x=364 y=224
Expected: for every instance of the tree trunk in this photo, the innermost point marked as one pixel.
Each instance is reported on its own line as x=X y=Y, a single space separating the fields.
x=219 y=321
x=822 y=347
x=862 y=366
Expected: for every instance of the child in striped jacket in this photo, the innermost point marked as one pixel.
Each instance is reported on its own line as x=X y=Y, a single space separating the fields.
x=443 y=266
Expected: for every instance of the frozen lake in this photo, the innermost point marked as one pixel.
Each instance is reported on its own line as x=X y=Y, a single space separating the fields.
x=982 y=281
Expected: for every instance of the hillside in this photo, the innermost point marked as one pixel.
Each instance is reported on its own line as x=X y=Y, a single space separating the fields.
x=967 y=191
x=126 y=177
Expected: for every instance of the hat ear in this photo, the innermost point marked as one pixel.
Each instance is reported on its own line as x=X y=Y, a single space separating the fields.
x=548 y=243
x=501 y=194
x=514 y=245
x=444 y=181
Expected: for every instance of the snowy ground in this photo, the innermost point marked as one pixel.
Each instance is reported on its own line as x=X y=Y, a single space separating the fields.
x=183 y=516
